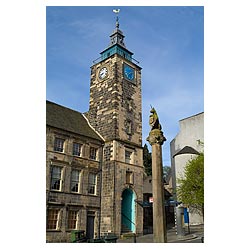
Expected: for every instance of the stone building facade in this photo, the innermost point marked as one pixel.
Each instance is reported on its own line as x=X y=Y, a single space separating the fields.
x=73 y=174
x=185 y=146
x=99 y=189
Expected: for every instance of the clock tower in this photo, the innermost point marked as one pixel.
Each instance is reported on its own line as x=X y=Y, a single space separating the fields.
x=115 y=111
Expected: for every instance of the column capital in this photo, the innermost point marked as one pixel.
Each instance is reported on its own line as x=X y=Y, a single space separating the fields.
x=156 y=137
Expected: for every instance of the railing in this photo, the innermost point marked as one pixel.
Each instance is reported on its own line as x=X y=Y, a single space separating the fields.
x=136 y=62
x=134 y=234
x=127 y=218
x=99 y=59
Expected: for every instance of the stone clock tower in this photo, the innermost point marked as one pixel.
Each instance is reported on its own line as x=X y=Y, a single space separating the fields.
x=115 y=111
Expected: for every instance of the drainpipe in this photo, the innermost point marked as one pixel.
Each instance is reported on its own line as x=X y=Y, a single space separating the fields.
x=114 y=204
x=114 y=199
x=100 y=188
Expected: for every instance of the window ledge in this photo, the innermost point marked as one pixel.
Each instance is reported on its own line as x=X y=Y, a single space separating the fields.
x=95 y=195
x=75 y=193
x=94 y=160
x=59 y=152
x=70 y=230
x=56 y=191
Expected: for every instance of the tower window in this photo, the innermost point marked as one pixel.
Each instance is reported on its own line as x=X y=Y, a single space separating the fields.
x=129 y=127
x=129 y=105
x=129 y=177
x=128 y=156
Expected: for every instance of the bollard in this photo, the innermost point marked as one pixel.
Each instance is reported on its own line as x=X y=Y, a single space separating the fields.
x=180 y=221
x=134 y=238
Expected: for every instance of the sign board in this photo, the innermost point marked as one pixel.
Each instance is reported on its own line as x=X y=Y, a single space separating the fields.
x=150 y=199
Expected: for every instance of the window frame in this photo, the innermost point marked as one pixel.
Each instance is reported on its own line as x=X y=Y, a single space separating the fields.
x=56 y=177
x=75 y=181
x=129 y=177
x=129 y=127
x=55 y=221
x=92 y=184
x=95 y=153
x=75 y=220
x=78 y=151
x=59 y=144
x=130 y=156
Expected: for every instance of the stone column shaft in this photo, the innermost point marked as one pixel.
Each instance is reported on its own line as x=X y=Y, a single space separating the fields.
x=156 y=140
x=159 y=217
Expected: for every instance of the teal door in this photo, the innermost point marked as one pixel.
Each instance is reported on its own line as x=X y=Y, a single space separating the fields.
x=128 y=210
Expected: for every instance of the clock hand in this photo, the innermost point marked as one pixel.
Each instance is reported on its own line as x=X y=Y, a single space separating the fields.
x=131 y=75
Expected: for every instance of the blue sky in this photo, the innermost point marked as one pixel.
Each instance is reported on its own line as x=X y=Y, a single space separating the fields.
x=167 y=41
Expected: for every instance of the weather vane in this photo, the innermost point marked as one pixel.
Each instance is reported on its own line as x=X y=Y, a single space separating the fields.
x=116 y=11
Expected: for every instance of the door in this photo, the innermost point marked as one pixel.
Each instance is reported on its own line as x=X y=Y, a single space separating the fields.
x=90 y=226
x=128 y=211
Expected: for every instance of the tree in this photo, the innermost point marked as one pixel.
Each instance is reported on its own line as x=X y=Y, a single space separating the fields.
x=147 y=160
x=191 y=187
x=166 y=173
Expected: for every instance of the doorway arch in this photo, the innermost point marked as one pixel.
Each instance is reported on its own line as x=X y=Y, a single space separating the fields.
x=128 y=211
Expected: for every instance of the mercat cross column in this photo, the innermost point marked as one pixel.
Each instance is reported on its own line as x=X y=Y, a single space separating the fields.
x=156 y=140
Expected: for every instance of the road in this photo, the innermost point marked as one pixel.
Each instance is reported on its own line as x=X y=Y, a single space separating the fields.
x=196 y=240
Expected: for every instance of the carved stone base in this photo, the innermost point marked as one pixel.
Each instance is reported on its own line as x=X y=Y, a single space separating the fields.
x=156 y=136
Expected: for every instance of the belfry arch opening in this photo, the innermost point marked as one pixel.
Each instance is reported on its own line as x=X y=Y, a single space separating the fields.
x=128 y=211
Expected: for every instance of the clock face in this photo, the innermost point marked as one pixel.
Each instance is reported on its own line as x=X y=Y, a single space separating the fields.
x=103 y=73
x=129 y=72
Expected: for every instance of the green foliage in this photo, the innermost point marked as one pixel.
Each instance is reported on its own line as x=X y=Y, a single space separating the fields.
x=166 y=172
x=191 y=187
x=147 y=160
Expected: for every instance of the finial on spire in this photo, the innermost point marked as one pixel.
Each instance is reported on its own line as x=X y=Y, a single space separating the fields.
x=116 y=11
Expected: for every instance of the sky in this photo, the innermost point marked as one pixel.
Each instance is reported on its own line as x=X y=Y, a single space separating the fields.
x=167 y=41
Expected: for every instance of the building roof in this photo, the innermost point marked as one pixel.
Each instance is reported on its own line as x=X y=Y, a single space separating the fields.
x=187 y=150
x=148 y=188
x=69 y=120
x=192 y=116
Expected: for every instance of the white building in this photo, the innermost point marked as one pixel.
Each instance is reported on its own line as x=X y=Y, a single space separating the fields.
x=187 y=144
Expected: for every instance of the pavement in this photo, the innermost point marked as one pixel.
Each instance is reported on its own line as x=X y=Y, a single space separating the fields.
x=172 y=237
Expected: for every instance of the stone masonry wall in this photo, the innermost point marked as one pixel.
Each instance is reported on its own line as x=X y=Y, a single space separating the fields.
x=115 y=103
x=114 y=183
x=115 y=112
x=65 y=200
